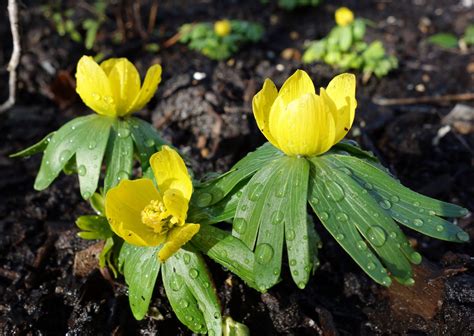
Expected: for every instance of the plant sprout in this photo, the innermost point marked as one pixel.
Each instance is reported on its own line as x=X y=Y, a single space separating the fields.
x=353 y=195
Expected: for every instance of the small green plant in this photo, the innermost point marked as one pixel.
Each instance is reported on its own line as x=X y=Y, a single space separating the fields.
x=292 y=4
x=66 y=26
x=220 y=40
x=450 y=41
x=307 y=162
x=344 y=48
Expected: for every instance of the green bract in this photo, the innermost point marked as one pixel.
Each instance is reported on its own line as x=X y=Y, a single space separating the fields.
x=85 y=143
x=344 y=48
x=353 y=196
x=202 y=37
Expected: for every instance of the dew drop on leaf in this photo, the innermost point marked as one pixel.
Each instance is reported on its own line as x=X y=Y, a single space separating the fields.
x=203 y=199
x=277 y=217
x=342 y=217
x=439 y=228
x=255 y=191
x=340 y=236
x=86 y=195
x=176 y=282
x=418 y=222
x=462 y=236
x=149 y=143
x=345 y=170
x=65 y=155
x=370 y=266
x=240 y=225
x=92 y=145
x=334 y=191
x=395 y=199
x=385 y=204
x=81 y=170
x=193 y=273
x=361 y=245
x=301 y=285
x=186 y=258
x=324 y=216
x=293 y=262
x=122 y=175
x=386 y=281
x=243 y=207
x=290 y=235
x=184 y=303
x=415 y=258
x=393 y=235
x=123 y=132
x=376 y=236
x=264 y=253
x=368 y=186
x=315 y=200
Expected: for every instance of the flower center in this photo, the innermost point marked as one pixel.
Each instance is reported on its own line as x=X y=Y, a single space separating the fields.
x=156 y=216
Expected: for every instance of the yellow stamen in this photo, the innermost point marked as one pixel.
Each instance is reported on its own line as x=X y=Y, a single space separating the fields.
x=156 y=216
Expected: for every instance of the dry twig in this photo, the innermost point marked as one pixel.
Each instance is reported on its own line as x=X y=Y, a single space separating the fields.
x=15 y=59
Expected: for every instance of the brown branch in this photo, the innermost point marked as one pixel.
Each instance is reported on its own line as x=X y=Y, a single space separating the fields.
x=16 y=53
x=152 y=16
x=424 y=99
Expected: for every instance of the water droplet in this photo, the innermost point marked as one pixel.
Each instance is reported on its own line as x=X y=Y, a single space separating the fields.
x=243 y=207
x=439 y=228
x=149 y=143
x=82 y=170
x=280 y=193
x=345 y=170
x=122 y=175
x=92 y=145
x=386 y=281
x=108 y=99
x=385 y=204
x=370 y=266
x=123 y=132
x=189 y=318
x=432 y=213
x=239 y=193
x=323 y=216
x=340 y=236
x=277 y=217
x=383 y=270
x=65 y=155
x=203 y=199
x=255 y=191
x=86 y=195
x=240 y=225
x=296 y=273
x=368 y=186
x=290 y=235
x=293 y=262
x=361 y=245
x=416 y=203
x=95 y=96
x=334 y=191
x=462 y=236
x=193 y=273
x=216 y=316
x=206 y=284
x=415 y=258
x=376 y=236
x=276 y=271
x=187 y=258
x=184 y=303
x=395 y=199
x=393 y=235
x=212 y=332
x=342 y=217
x=315 y=200
x=176 y=282
x=418 y=222
x=263 y=253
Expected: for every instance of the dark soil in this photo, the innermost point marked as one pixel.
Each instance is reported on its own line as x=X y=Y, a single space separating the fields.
x=211 y=120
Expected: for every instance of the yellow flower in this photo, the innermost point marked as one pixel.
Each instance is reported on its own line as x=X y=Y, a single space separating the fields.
x=222 y=27
x=344 y=16
x=113 y=88
x=144 y=215
x=298 y=121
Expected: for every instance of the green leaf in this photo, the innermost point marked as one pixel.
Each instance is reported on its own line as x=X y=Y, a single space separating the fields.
x=213 y=191
x=468 y=36
x=226 y=250
x=146 y=138
x=119 y=158
x=93 y=227
x=97 y=203
x=348 y=204
x=345 y=38
x=358 y=28
x=140 y=267
x=409 y=208
x=38 y=147
x=296 y=174
x=90 y=153
x=233 y=328
x=191 y=292
x=85 y=137
x=108 y=255
x=444 y=40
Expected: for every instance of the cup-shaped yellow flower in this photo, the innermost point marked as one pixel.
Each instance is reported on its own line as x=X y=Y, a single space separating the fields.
x=344 y=16
x=222 y=27
x=113 y=88
x=298 y=121
x=145 y=215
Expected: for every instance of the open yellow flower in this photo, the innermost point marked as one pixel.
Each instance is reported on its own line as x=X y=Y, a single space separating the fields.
x=298 y=121
x=344 y=16
x=113 y=88
x=222 y=27
x=144 y=215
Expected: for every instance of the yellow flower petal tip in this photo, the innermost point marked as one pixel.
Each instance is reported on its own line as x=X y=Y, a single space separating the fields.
x=222 y=27
x=145 y=215
x=113 y=88
x=344 y=16
x=301 y=123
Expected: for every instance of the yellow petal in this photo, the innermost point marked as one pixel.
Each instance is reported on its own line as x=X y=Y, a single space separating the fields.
x=171 y=172
x=125 y=84
x=93 y=87
x=152 y=79
x=295 y=86
x=262 y=104
x=123 y=206
x=177 y=237
x=176 y=205
x=341 y=90
x=305 y=127
x=108 y=65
